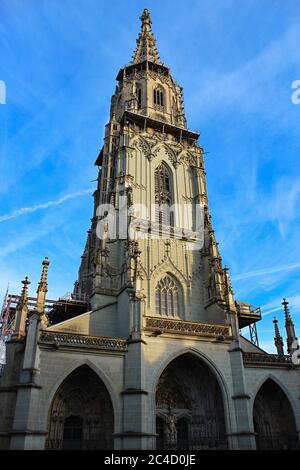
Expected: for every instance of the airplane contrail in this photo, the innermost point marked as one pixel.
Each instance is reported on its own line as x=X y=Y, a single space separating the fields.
x=45 y=205
x=265 y=271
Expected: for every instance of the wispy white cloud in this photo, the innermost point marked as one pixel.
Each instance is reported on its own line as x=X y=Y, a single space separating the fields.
x=256 y=205
x=281 y=206
x=30 y=235
x=275 y=305
x=266 y=271
x=252 y=86
x=45 y=205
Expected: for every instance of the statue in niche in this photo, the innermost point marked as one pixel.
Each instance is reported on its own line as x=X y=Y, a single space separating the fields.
x=171 y=431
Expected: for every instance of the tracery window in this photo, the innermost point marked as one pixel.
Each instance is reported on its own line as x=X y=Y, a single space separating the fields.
x=167 y=297
x=163 y=195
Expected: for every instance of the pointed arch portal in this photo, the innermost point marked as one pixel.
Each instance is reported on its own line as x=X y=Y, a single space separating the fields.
x=273 y=418
x=81 y=414
x=189 y=407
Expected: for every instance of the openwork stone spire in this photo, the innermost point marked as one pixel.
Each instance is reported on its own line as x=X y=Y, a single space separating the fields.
x=42 y=291
x=43 y=284
x=21 y=311
x=278 y=339
x=24 y=294
x=146 y=43
x=290 y=328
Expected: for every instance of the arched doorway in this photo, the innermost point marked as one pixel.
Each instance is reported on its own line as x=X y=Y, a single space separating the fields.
x=81 y=413
x=273 y=419
x=189 y=407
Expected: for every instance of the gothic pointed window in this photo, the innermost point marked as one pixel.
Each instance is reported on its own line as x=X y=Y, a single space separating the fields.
x=167 y=297
x=158 y=98
x=163 y=195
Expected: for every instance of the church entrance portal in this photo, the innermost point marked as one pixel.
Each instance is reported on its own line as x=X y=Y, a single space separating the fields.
x=274 y=420
x=189 y=407
x=81 y=414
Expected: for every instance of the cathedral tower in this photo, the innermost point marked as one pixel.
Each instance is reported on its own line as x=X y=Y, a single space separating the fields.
x=157 y=361
x=151 y=246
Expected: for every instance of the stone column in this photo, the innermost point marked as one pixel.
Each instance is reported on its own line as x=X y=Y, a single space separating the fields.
x=243 y=437
x=136 y=400
x=27 y=432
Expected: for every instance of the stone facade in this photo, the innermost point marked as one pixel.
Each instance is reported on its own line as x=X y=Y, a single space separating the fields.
x=160 y=345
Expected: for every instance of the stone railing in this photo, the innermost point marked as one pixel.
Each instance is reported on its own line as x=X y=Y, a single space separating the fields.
x=165 y=325
x=261 y=358
x=78 y=340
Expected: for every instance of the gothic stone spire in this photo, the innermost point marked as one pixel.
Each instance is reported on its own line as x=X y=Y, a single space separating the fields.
x=42 y=291
x=21 y=311
x=146 y=43
x=290 y=328
x=278 y=339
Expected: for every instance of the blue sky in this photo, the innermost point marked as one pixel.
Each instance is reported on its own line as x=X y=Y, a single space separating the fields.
x=236 y=61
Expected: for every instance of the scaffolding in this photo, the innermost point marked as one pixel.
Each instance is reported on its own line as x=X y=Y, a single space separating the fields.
x=5 y=328
x=6 y=319
x=253 y=329
x=63 y=308
x=248 y=316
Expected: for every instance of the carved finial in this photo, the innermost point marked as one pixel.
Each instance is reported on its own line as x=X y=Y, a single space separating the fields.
x=146 y=18
x=228 y=287
x=24 y=294
x=228 y=291
x=287 y=314
x=21 y=311
x=146 y=43
x=41 y=292
x=43 y=284
x=292 y=341
x=278 y=338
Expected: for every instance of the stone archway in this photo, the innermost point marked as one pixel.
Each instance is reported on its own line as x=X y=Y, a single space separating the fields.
x=189 y=407
x=273 y=419
x=81 y=414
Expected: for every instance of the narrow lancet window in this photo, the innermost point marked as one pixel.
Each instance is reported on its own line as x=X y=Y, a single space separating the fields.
x=139 y=98
x=163 y=195
x=158 y=97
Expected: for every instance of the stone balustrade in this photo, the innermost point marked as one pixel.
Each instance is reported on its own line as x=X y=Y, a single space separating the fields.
x=165 y=325
x=78 y=340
